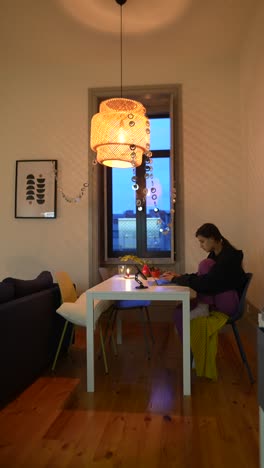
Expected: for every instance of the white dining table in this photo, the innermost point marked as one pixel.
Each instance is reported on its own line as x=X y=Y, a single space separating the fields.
x=117 y=288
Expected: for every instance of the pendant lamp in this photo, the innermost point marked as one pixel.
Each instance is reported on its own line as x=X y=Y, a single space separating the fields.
x=120 y=132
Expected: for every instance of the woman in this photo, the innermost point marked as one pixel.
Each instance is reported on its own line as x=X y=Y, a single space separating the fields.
x=226 y=274
x=227 y=302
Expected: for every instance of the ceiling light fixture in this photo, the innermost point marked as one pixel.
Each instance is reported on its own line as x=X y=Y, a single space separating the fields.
x=120 y=132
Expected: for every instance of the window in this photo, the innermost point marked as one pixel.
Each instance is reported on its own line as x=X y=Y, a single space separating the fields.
x=116 y=226
x=139 y=221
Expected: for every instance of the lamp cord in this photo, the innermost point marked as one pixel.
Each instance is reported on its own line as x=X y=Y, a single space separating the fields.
x=121 y=3
x=121 y=51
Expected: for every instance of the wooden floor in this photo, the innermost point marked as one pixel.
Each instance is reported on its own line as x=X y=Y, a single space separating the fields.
x=137 y=418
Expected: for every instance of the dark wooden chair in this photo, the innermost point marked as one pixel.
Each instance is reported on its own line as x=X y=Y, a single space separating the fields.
x=232 y=321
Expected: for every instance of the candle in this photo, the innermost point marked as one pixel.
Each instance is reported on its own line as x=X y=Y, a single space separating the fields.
x=121 y=270
x=128 y=271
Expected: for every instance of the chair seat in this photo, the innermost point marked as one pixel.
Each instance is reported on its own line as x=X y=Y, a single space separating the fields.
x=75 y=312
x=129 y=304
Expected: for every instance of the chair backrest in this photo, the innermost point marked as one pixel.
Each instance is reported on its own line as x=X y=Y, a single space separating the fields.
x=104 y=273
x=67 y=289
x=241 y=305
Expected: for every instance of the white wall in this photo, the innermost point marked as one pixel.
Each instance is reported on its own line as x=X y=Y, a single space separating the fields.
x=252 y=98
x=48 y=62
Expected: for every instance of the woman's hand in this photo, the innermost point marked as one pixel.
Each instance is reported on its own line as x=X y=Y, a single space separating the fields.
x=169 y=275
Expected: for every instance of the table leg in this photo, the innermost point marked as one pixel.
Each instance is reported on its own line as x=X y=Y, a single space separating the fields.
x=90 y=343
x=186 y=346
x=261 y=437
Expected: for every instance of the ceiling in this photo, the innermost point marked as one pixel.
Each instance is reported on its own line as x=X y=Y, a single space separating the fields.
x=138 y=15
x=189 y=31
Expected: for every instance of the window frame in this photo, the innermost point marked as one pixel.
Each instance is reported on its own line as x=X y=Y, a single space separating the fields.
x=97 y=185
x=140 y=216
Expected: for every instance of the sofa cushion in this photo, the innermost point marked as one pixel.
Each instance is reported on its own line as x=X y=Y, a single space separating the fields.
x=7 y=292
x=25 y=287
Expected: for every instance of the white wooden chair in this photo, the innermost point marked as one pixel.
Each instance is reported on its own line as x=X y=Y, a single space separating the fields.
x=73 y=309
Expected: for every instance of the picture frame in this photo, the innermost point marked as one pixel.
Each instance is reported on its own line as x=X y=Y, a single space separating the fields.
x=36 y=188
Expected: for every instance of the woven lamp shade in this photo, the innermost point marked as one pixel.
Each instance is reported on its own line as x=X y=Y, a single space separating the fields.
x=120 y=133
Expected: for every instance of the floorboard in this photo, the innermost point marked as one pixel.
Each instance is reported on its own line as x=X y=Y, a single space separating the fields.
x=137 y=417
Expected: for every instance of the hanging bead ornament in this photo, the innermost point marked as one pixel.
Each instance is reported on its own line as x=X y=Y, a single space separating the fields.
x=167 y=227
x=173 y=199
x=68 y=199
x=164 y=227
x=153 y=190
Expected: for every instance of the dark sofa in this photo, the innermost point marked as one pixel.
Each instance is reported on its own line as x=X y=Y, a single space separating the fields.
x=30 y=331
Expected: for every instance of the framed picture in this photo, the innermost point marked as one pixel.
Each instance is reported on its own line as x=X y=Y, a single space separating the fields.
x=36 y=188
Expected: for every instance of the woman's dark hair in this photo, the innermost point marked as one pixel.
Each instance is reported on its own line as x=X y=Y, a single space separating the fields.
x=210 y=230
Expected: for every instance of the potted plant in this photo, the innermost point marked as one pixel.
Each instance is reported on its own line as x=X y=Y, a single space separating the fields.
x=147 y=268
x=132 y=258
x=140 y=261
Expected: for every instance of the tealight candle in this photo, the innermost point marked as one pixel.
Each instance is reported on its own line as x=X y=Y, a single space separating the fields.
x=121 y=270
